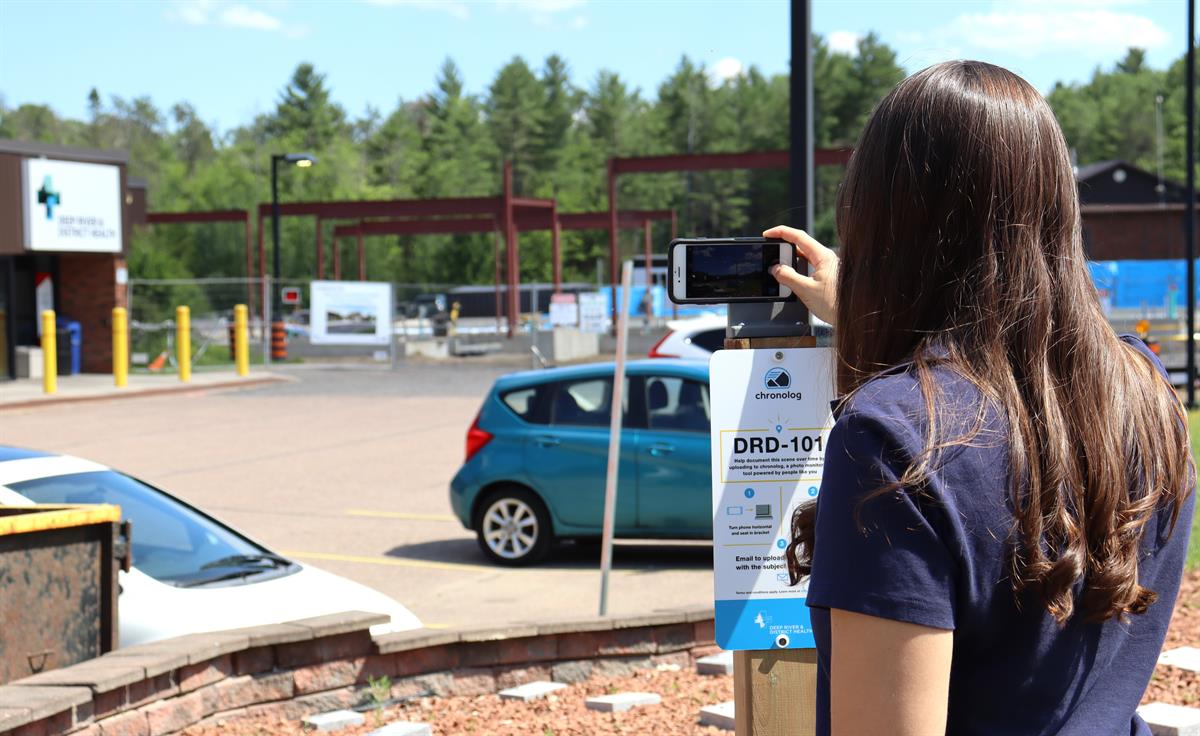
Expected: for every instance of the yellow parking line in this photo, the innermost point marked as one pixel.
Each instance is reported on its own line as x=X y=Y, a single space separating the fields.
x=400 y=515
x=392 y=561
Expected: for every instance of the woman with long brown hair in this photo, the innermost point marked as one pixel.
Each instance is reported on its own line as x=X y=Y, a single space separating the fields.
x=1001 y=530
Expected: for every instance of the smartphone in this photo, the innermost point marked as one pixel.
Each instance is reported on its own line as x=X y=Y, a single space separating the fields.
x=721 y=270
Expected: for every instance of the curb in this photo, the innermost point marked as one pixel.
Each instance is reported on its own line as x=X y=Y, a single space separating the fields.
x=231 y=385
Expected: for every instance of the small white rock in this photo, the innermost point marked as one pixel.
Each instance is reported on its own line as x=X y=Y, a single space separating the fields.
x=335 y=720
x=715 y=664
x=719 y=716
x=1185 y=658
x=531 y=691
x=1171 y=720
x=403 y=728
x=621 y=702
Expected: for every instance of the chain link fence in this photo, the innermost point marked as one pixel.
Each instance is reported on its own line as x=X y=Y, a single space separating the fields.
x=152 y=305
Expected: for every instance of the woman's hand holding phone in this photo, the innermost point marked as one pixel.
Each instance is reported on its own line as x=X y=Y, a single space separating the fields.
x=818 y=291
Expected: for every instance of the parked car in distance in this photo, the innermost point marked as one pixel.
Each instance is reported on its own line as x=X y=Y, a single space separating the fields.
x=537 y=456
x=695 y=338
x=191 y=573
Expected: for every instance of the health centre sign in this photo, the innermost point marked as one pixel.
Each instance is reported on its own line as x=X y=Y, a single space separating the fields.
x=71 y=206
x=771 y=418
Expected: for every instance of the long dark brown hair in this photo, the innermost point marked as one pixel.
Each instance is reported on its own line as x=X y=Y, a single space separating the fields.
x=961 y=247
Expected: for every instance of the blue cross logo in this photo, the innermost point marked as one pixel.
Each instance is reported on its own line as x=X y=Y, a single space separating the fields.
x=49 y=196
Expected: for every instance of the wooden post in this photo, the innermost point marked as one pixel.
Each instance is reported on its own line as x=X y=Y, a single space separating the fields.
x=774 y=690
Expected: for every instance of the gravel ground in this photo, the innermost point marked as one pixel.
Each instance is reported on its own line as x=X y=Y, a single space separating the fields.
x=683 y=693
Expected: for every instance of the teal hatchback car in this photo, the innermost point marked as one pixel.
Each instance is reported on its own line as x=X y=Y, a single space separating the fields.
x=537 y=456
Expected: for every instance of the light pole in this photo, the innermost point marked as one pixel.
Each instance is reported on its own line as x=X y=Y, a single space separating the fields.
x=1189 y=216
x=278 y=332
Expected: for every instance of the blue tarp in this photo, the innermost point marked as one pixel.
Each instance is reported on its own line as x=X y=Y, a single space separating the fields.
x=1141 y=284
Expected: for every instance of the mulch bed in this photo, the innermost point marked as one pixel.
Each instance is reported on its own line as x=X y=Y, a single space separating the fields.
x=1172 y=684
x=683 y=694
x=562 y=713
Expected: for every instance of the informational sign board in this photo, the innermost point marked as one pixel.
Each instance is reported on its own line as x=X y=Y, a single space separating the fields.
x=350 y=313
x=771 y=418
x=593 y=312
x=71 y=206
x=564 y=310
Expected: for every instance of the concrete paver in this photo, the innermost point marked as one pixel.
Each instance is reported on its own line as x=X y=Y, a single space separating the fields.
x=348 y=470
x=719 y=716
x=335 y=720
x=621 y=702
x=1171 y=720
x=531 y=691
x=715 y=664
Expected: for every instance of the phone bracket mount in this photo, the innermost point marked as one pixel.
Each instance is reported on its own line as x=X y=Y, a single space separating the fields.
x=767 y=319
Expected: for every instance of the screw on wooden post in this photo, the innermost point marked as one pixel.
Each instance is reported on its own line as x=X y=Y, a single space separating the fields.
x=774 y=690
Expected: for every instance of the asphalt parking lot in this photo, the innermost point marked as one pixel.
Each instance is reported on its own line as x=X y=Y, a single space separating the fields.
x=347 y=468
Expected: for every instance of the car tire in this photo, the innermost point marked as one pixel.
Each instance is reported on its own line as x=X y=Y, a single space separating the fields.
x=512 y=527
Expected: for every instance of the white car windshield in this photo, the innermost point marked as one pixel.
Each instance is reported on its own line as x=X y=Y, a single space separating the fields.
x=172 y=543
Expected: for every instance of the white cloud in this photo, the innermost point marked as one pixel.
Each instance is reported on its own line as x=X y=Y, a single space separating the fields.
x=539 y=6
x=579 y=22
x=1030 y=33
x=237 y=15
x=725 y=69
x=240 y=16
x=452 y=7
x=192 y=12
x=544 y=13
x=843 y=42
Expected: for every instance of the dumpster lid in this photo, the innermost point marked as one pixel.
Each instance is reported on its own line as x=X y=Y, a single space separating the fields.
x=40 y=517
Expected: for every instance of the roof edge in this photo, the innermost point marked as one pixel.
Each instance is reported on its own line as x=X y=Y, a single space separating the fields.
x=34 y=149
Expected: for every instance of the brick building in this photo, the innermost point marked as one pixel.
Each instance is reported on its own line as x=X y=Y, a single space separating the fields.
x=1128 y=214
x=65 y=219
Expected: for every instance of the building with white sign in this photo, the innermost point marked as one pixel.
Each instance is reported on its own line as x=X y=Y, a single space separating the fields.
x=65 y=217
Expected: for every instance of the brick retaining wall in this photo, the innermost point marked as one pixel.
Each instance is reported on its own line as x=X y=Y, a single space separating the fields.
x=302 y=667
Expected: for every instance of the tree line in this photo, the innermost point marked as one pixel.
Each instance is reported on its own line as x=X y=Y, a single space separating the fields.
x=558 y=135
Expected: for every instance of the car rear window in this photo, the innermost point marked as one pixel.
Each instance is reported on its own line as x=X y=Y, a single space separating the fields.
x=527 y=403
x=710 y=340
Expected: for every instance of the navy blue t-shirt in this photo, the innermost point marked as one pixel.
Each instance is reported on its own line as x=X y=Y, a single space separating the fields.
x=940 y=559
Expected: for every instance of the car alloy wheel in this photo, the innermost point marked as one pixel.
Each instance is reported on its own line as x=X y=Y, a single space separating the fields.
x=512 y=527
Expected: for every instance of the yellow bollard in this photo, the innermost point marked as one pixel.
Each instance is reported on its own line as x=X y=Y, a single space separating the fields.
x=183 y=342
x=120 y=330
x=49 y=353
x=241 y=341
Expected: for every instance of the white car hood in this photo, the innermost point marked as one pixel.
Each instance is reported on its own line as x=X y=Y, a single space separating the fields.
x=150 y=610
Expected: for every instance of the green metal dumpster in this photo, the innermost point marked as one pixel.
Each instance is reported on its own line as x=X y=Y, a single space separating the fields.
x=58 y=577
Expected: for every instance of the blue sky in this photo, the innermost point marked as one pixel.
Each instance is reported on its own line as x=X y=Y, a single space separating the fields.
x=230 y=58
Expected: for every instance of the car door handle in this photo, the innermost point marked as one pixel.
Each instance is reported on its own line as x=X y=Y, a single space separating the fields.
x=659 y=449
x=545 y=441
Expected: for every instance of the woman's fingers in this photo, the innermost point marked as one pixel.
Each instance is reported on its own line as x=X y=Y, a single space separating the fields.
x=793 y=279
x=806 y=245
x=818 y=288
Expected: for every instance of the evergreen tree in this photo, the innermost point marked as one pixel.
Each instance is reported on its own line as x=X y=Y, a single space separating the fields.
x=514 y=111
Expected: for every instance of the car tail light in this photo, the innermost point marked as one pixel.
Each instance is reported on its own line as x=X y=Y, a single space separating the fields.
x=654 y=353
x=476 y=438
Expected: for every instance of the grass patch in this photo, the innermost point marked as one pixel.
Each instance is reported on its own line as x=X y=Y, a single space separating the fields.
x=1193 y=558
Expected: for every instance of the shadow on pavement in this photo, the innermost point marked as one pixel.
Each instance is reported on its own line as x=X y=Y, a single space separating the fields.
x=638 y=555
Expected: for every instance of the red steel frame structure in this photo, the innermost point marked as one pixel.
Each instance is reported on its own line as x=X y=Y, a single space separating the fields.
x=694 y=162
x=171 y=218
x=537 y=220
x=504 y=208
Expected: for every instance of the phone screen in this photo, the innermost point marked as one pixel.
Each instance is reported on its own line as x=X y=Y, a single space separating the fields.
x=731 y=270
